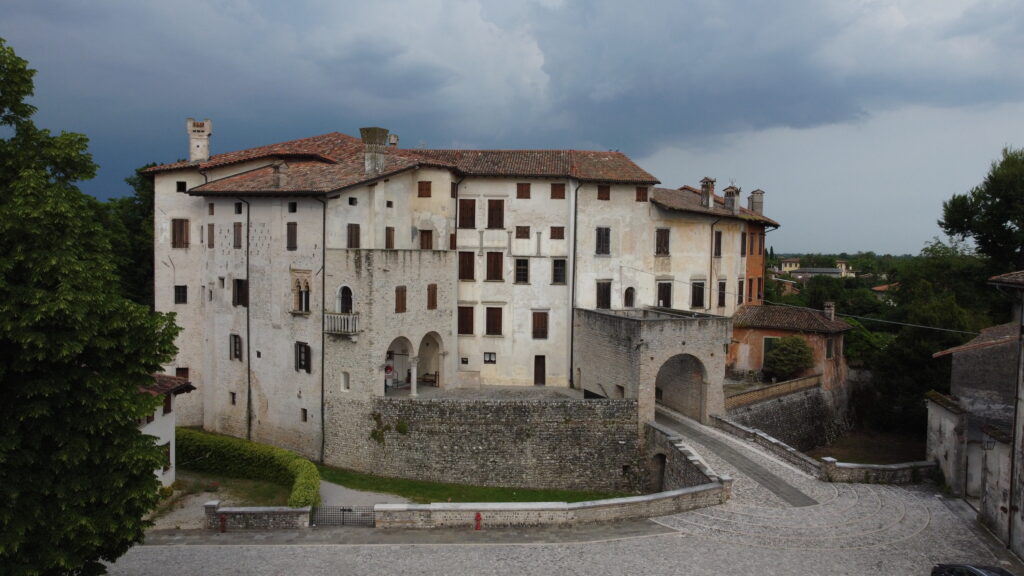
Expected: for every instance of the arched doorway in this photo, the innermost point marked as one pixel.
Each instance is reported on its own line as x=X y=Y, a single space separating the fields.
x=428 y=367
x=399 y=358
x=656 y=471
x=680 y=385
x=629 y=299
x=343 y=300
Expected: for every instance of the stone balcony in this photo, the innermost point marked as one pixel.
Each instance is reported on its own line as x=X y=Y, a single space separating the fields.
x=343 y=324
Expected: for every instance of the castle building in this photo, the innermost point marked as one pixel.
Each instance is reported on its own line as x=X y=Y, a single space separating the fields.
x=315 y=275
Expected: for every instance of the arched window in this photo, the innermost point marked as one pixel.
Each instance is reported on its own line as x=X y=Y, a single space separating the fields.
x=344 y=303
x=304 y=297
x=630 y=298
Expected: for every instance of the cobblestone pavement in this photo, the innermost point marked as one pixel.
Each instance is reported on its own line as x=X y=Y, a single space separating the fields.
x=853 y=529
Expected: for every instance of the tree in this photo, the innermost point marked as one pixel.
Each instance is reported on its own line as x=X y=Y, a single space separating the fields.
x=992 y=214
x=76 y=474
x=789 y=357
x=132 y=238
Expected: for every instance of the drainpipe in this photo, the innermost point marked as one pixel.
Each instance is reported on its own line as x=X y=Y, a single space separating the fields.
x=572 y=289
x=248 y=339
x=1015 y=444
x=323 y=320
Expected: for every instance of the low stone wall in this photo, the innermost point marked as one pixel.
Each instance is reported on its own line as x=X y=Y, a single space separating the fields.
x=255 y=518
x=803 y=419
x=772 y=391
x=683 y=467
x=903 y=473
x=776 y=447
x=495 y=515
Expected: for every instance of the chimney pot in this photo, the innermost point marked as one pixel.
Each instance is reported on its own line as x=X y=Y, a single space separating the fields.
x=830 y=310
x=756 y=201
x=280 y=174
x=374 y=141
x=199 y=133
x=707 y=191
x=732 y=199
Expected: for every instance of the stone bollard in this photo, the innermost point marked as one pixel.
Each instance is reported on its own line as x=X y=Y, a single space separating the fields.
x=210 y=511
x=726 y=482
x=828 y=468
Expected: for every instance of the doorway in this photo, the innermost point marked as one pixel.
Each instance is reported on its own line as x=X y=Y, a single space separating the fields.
x=539 y=370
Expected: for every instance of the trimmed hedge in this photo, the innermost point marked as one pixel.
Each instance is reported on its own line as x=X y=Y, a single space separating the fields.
x=205 y=452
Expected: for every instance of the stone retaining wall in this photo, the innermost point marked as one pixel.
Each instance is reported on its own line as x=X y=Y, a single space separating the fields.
x=772 y=391
x=255 y=518
x=683 y=467
x=903 y=473
x=776 y=447
x=802 y=419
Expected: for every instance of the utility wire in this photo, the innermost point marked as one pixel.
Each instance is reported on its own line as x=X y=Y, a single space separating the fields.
x=879 y=320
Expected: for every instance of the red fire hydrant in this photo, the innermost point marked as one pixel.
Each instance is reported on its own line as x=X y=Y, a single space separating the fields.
x=478 y=519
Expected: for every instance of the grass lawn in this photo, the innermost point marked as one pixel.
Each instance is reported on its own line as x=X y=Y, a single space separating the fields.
x=237 y=491
x=426 y=492
x=864 y=446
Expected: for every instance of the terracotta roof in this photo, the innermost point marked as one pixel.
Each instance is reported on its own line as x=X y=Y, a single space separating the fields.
x=326 y=147
x=991 y=336
x=886 y=287
x=787 y=318
x=687 y=199
x=587 y=166
x=167 y=384
x=1012 y=279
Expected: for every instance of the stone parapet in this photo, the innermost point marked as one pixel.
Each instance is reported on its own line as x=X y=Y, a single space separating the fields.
x=903 y=473
x=254 y=518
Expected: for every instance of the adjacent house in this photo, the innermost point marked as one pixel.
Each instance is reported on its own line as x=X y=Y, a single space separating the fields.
x=160 y=423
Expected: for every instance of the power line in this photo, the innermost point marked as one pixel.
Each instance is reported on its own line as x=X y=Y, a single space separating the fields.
x=879 y=320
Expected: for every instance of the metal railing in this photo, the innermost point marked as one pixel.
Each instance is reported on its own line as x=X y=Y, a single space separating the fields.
x=341 y=323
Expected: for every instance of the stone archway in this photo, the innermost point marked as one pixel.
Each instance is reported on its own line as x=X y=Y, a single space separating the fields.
x=428 y=365
x=681 y=385
x=399 y=358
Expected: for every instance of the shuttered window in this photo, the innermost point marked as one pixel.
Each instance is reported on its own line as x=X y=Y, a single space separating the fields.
x=495 y=214
x=540 y=325
x=696 y=295
x=467 y=213
x=467 y=262
x=558 y=232
x=353 y=235
x=665 y=294
x=179 y=233
x=743 y=243
x=293 y=236
x=522 y=232
x=399 y=299
x=426 y=239
x=604 y=192
x=558 y=191
x=389 y=238
x=604 y=241
x=641 y=193
x=604 y=295
x=237 y=235
x=303 y=360
x=493 y=321
x=721 y=294
x=523 y=190
x=661 y=240
x=431 y=296
x=455 y=189
x=209 y=234
x=718 y=243
x=494 y=266
x=465 y=320
x=240 y=293
x=739 y=292
x=424 y=189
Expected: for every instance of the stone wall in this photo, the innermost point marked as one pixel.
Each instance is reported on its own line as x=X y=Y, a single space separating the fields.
x=995 y=504
x=561 y=444
x=903 y=473
x=682 y=467
x=946 y=439
x=255 y=518
x=776 y=447
x=802 y=420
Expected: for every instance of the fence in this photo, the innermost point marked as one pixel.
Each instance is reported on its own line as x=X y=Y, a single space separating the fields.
x=772 y=391
x=342 y=516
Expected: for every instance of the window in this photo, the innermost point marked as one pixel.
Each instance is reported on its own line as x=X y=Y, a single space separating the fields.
x=234 y=398
x=494 y=266
x=750 y=289
x=465 y=320
x=426 y=239
x=522 y=270
x=451 y=241
x=181 y=373
x=739 y=292
x=399 y=299
x=353 y=235
x=558 y=271
x=558 y=191
x=760 y=288
x=237 y=235
x=431 y=296
x=238 y=207
x=389 y=238
x=493 y=326
x=168 y=403
x=629 y=298
x=467 y=213
x=467 y=262
x=301 y=296
x=455 y=189
x=181 y=294
x=209 y=234
x=540 y=325
x=523 y=232
x=696 y=294
x=293 y=207
x=209 y=208
x=353 y=201
x=345 y=384
x=240 y=293
x=665 y=294
x=604 y=294
x=641 y=193
x=751 y=236
x=523 y=190
x=490 y=358
x=721 y=293
x=829 y=343
x=424 y=189
x=558 y=232
x=769 y=344
x=303 y=363
x=760 y=244
x=293 y=236
x=234 y=347
x=305 y=414
x=495 y=214
x=718 y=243
x=180 y=186
x=604 y=192
x=743 y=244
x=661 y=239
x=179 y=233
x=345 y=300
x=604 y=241
x=389 y=204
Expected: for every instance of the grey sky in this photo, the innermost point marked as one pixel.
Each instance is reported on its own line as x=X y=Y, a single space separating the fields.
x=857 y=117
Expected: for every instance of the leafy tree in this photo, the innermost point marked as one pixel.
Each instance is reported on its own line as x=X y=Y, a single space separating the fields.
x=992 y=214
x=76 y=474
x=131 y=225
x=789 y=357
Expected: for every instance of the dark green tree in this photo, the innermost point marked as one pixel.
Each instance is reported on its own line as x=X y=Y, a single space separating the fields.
x=992 y=214
x=788 y=358
x=131 y=226
x=76 y=474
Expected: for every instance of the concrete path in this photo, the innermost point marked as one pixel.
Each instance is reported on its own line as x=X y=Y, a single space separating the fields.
x=336 y=495
x=745 y=465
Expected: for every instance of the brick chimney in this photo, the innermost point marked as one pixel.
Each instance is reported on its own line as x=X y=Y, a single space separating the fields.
x=707 y=191
x=732 y=199
x=374 y=141
x=756 y=201
x=280 y=174
x=830 y=310
x=199 y=132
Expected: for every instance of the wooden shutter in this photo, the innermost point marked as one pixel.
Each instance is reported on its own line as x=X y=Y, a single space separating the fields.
x=523 y=190
x=604 y=192
x=424 y=189
x=558 y=191
x=179 y=233
x=661 y=243
x=353 y=235
x=455 y=189
x=522 y=232
x=209 y=234
x=604 y=295
x=389 y=238
x=467 y=213
x=466 y=265
x=451 y=241
x=465 y=319
x=494 y=266
x=426 y=239
x=641 y=193
x=718 y=243
x=431 y=296
x=495 y=214
x=494 y=321
x=399 y=299
x=293 y=235
x=238 y=235
x=558 y=233
x=743 y=243
x=540 y=325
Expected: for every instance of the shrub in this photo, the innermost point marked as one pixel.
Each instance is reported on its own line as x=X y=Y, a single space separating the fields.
x=790 y=356
x=205 y=452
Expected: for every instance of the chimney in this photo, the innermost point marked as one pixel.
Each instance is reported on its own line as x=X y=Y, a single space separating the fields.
x=374 y=142
x=393 y=140
x=280 y=174
x=756 y=201
x=199 y=133
x=732 y=199
x=707 y=191
x=830 y=310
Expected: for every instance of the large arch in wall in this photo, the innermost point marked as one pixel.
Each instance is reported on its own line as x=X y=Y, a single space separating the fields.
x=399 y=357
x=429 y=370
x=681 y=384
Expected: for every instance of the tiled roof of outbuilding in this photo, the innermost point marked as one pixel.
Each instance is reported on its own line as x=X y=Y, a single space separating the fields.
x=167 y=384
x=787 y=318
x=687 y=199
x=1011 y=279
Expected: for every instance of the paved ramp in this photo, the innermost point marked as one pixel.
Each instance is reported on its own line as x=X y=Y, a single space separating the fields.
x=743 y=463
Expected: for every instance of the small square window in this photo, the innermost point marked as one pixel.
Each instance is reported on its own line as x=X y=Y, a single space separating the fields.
x=523 y=190
x=181 y=186
x=389 y=204
x=558 y=232
x=423 y=189
x=604 y=192
x=464 y=361
x=238 y=207
x=293 y=207
x=490 y=358
x=353 y=201
x=522 y=232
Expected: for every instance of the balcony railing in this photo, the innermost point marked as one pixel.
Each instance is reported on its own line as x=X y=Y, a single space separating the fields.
x=341 y=323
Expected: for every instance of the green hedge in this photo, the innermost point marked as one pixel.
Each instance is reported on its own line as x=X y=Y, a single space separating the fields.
x=205 y=452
